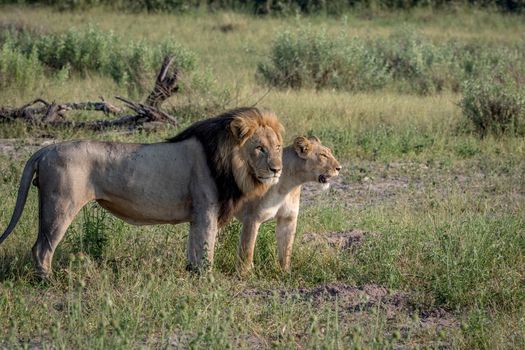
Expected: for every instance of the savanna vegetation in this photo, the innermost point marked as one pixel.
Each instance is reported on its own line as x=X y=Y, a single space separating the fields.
x=419 y=243
x=262 y=7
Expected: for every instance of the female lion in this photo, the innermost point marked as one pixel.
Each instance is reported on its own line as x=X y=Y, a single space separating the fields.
x=306 y=160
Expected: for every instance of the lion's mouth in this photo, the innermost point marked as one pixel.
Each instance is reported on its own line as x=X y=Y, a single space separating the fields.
x=270 y=180
x=324 y=178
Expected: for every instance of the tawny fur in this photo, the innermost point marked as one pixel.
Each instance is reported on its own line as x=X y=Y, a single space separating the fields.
x=227 y=147
x=171 y=182
x=239 y=166
x=307 y=160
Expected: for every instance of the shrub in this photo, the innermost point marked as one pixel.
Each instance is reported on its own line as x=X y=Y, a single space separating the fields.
x=495 y=104
x=19 y=71
x=310 y=59
x=412 y=61
x=92 y=50
x=132 y=65
x=406 y=61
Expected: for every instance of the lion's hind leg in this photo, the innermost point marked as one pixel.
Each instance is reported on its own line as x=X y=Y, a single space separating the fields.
x=55 y=215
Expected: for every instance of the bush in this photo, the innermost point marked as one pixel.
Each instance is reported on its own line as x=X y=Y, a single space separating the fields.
x=133 y=65
x=495 y=105
x=27 y=55
x=17 y=70
x=308 y=59
x=405 y=61
x=412 y=61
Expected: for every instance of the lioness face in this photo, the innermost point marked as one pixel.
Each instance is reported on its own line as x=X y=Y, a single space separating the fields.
x=264 y=153
x=320 y=165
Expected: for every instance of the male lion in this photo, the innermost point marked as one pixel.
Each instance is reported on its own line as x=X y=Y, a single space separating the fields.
x=199 y=176
x=306 y=160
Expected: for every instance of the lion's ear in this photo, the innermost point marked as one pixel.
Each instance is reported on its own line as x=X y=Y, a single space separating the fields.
x=314 y=138
x=242 y=128
x=302 y=146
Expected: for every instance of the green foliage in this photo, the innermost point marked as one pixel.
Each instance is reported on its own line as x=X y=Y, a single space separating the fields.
x=463 y=262
x=496 y=104
x=414 y=63
x=19 y=71
x=28 y=57
x=132 y=64
x=265 y=253
x=94 y=237
x=380 y=141
x=308 y=59
x=226 y=252
x=405 y=61
x=467 y=148
x=331 y=7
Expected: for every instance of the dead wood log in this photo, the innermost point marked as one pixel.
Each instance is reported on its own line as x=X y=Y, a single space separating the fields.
x=42 y=112
x=166 y=84
x=130 y=121
x=151 y=113
x=50 y=112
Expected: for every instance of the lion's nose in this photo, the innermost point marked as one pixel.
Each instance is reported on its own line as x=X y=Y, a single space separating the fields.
x=275 y=170
x=338 y=168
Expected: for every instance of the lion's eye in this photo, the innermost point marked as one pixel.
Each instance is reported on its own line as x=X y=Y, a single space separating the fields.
x=260 y=149
x=278 y=148
x=322 y=155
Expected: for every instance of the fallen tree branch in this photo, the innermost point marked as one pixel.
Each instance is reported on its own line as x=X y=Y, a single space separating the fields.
x=28 y=111
x=131 y=121
x=166 y=84
x=42 y=112
x=151 y=113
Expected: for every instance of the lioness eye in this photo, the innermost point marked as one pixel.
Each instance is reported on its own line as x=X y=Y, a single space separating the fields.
x=260 y=148
x=278 y=147
x=323 y=155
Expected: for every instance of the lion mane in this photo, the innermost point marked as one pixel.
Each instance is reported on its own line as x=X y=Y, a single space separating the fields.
x=221 y=145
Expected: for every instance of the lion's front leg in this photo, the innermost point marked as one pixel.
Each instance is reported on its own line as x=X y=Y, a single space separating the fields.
x=201 y=239
x=285 y=234
x=246 y=246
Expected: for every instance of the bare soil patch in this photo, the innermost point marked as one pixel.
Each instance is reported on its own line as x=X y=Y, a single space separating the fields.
x=362 y=304
x=357 y=193
x=370 y=183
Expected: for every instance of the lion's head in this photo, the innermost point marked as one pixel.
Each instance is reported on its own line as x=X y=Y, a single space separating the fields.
x=319 y=163
x=257 y=158
x=244 y=153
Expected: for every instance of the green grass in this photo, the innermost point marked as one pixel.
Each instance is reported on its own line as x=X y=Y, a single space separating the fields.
x=446 y=206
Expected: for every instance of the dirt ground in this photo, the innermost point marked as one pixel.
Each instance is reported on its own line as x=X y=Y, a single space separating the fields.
x=360 y=305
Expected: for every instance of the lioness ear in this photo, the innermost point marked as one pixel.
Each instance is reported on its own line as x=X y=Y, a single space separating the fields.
x=314 y=138
x=242 y=128
x=302 y=146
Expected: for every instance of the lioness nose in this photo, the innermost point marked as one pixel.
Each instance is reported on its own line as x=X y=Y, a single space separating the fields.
x=338 y=168
x=275 y=169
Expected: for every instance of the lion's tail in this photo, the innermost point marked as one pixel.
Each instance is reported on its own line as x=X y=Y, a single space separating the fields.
x=25 y=183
